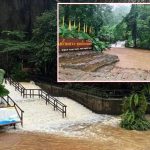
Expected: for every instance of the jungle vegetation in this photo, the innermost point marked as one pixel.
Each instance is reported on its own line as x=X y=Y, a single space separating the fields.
x=134 y=109
x=103 y=24
x=93 y=22
x=106 y=24
x=135 y=27
x=38 y=52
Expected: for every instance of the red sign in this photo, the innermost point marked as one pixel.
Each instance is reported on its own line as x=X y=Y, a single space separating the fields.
x=71 y=44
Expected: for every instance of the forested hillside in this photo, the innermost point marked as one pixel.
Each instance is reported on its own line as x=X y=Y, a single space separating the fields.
x=28 y=38
x=135 y=27
x=107 y=24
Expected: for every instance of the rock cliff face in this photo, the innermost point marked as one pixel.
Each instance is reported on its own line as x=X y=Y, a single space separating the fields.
x=21 y=14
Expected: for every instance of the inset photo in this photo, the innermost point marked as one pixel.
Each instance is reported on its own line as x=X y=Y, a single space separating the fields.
x=103 y=42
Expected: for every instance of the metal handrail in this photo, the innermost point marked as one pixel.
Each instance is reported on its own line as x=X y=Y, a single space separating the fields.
x=8 y=100
x=42 y=94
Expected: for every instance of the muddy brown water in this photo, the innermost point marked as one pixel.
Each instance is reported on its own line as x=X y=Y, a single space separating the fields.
x=132 y=58
x=102 y=138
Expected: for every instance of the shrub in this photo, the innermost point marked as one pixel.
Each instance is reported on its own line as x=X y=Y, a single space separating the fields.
x=134 y=109
x=3 y=91
x=97 y=44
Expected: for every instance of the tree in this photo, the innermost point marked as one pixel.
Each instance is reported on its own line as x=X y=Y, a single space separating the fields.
x=45 y=40
x=132 y=23
x=136 y=27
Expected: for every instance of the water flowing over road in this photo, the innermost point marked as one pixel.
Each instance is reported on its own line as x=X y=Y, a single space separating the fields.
x=120 y=44
x=132 y=58
x=39 y=117
x=81 y=130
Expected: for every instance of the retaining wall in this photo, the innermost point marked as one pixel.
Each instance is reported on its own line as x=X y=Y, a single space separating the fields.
x=96 y=104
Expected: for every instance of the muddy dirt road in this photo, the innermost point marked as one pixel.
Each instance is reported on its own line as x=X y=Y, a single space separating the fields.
x=133 y=65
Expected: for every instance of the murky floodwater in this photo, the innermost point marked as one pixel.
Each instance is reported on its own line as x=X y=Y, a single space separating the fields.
x=132 y=58
x=133 y=65
x=101 y=138
x=81 y=130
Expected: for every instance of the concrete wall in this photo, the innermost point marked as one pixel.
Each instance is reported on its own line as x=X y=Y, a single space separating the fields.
x=96 y=104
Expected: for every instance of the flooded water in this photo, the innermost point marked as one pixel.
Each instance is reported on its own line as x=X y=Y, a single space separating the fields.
x=119 y=44
x=39 y=117
x=101 y=138
x=132 y=58
x=45 y=129
x=131 y=65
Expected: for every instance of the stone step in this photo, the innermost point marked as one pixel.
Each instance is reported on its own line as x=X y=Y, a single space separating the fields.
x=92 y=63
x=76 y=54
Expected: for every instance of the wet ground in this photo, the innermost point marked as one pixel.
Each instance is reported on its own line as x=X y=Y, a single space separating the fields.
x=133 y=65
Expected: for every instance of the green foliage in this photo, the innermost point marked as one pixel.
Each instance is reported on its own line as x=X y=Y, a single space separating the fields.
x=146 y=89
x=136 y=27
x=3 y=91
x=13 y=35
x=14 y=41
x=2 y=72
x=97 y=44
x=17 y=74
x=44 y=40
x=14 y=46
x=120 y=32
x=64 y=32
x=134 y=109
x=41 y=48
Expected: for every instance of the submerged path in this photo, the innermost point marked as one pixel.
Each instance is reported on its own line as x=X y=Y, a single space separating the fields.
x=39 y=117
x=133 y=65
x=101 y=138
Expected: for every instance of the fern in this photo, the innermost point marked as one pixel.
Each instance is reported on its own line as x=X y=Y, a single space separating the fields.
x=134 y=109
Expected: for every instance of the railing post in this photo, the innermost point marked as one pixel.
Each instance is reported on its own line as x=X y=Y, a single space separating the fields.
x=55 y=105
x=40 y=93
x=23 y=93
x=65 y=111
x=46 y=99
x=21 y=118
x=30 y=93
x=7 y=101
